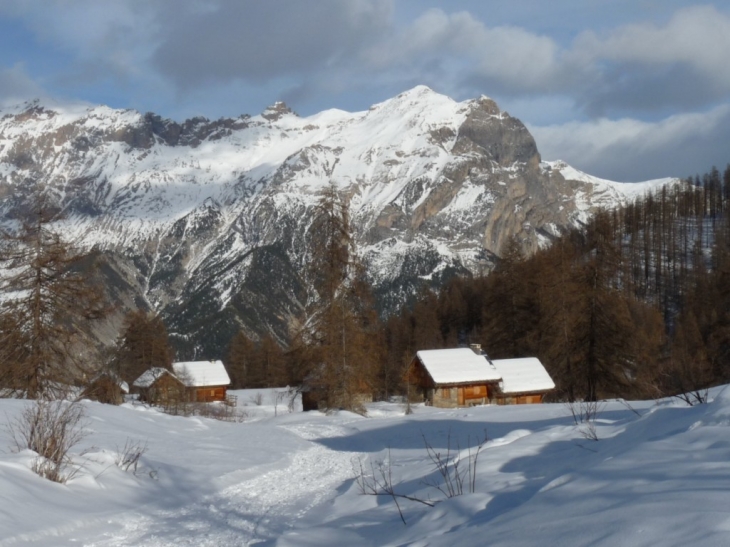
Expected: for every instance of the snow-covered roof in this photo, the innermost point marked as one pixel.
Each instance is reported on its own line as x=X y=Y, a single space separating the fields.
x=524 y=375
x=457 y=366
x=150 y=376
x=202 y=373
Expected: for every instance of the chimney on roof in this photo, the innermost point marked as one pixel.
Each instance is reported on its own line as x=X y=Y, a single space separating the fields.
x=476 y=348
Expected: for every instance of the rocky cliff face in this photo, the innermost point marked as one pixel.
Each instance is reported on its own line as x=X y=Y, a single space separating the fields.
x=208 y=221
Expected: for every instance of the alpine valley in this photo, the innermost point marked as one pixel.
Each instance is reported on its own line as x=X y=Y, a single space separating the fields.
x=209 y=222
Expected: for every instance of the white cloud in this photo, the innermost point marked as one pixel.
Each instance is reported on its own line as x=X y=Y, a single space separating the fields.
x=217 y=57
x=629 y=69
x=629 y=149
x=257 y=41
x=644 y=67
x=509 y=55
x=102 y=37
x=698 y=36
x=178 y=48
x=16 y=86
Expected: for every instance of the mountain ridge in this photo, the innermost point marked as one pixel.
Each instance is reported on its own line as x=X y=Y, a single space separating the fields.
x=435 y=188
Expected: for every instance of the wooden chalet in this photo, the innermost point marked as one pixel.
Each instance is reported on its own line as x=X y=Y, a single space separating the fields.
x=159 y=386
x=460 y=377
x=205 y=381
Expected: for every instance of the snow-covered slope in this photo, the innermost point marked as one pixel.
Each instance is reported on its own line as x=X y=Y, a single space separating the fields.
x=194 y=216
x=595 y=192
x=658 y=475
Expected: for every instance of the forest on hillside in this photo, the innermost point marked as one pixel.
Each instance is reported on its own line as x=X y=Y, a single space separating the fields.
x=635 y=303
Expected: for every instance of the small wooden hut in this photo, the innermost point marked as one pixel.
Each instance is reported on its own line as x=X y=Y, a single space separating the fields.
x=205 y=381
x=159 y=386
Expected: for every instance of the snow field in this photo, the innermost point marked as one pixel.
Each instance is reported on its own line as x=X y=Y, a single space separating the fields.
x=656 y=476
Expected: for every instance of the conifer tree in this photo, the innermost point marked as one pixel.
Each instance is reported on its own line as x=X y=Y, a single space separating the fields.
x=427 y=327
x=559 y=317
x=510 y=312
x=267 y=367
x=49 y=302
x=342 y=325
x=241 y=353
x=142 y=345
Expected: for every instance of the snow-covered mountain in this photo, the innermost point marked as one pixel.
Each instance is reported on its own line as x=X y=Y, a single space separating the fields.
x=209 y=221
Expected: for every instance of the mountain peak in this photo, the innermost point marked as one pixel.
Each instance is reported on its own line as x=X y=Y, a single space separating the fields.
x=276 y=111
x=486 y=104
x=417 y=91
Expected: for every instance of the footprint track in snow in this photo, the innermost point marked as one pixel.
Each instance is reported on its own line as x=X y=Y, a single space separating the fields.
x=251 y=511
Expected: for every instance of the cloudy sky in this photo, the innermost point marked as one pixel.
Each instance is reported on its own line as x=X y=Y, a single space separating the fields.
x=623 y=89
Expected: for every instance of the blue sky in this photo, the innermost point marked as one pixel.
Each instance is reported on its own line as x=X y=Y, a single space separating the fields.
x=627 y=90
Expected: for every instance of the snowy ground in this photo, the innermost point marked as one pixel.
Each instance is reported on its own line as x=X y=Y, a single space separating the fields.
x=658 y=475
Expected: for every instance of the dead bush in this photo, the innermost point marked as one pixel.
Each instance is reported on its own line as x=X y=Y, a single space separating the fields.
x=51 y=429
x=453 y=469
x=457 y=473
x=694 y=397
x=219 y=411
x=127 y=458
x=379 y=482
x=584 y=415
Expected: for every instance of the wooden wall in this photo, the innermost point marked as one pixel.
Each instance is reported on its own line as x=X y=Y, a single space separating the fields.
x=533 y=398
x=460 y=396
x=480 y=394
x=208 y=394
x=164 y=390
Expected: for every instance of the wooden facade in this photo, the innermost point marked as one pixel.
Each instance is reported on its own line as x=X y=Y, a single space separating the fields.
x=206 y=381
x=519 y=399
x=448 y=395
x=459 y=395
x=207 y=394
x=165 y=390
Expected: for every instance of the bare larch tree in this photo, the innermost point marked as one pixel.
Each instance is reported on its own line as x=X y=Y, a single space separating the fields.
x=48 y=300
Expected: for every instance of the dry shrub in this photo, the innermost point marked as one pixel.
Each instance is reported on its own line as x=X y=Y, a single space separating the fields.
x=222 y=412
x=51 y=429
x=127 y=458
x=584 y=415
x=457 y=474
